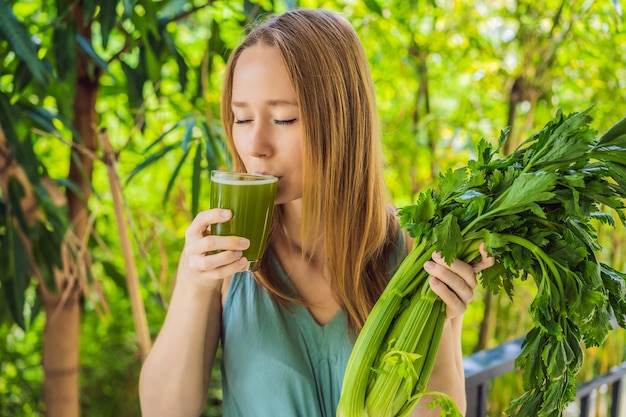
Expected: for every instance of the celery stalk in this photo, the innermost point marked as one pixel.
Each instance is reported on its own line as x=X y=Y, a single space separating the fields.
x=352 y=401
x=401 y=365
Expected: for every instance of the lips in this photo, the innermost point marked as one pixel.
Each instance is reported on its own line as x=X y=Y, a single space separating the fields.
x=269 y=173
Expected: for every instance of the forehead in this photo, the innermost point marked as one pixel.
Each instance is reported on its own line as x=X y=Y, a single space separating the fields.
x=260 y=71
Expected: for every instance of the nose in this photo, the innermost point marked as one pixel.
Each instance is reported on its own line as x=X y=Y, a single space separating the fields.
x=259 y=142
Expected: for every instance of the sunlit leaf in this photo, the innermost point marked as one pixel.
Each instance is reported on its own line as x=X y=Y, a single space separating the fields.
x=374 y=7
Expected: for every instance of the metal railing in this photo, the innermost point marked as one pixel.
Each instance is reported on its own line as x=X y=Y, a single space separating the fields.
x=484 y=366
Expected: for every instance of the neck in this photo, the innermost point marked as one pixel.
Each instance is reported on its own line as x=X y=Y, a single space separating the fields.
x=311 y=247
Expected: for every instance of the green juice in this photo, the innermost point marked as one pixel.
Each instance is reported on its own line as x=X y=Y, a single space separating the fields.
x=250 y=197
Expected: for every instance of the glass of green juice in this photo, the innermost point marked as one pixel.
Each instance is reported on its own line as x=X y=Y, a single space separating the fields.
x=250 y=198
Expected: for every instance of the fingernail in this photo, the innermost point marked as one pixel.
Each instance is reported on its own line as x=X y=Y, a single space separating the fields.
x=242 y=261
x=428 y=265
x=244 y=243
x=437 y=255
x=225 y=213
x=237 y=253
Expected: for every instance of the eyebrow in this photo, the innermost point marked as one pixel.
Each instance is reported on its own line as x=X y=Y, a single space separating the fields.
x=272 y=103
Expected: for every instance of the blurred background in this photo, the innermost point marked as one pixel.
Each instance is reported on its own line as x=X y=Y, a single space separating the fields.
x=109 y=125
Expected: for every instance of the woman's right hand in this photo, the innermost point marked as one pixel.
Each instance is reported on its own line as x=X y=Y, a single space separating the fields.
x=207 y=259
x=175 y=376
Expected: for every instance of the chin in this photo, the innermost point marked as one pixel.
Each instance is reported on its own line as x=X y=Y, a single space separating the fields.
x=284 y=198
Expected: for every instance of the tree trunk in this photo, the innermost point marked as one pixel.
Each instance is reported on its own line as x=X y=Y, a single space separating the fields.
x=61 y=354
x=132 y=280
x=60 y=350
x=61 y=338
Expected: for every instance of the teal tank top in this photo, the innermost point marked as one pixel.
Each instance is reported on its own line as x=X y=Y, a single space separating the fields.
x=277 y=362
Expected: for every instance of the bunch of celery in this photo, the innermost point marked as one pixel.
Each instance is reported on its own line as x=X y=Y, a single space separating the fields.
x=535 y=210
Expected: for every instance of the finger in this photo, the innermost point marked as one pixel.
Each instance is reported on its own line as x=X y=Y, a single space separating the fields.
x=455 y=283
x=204 y=220
x=458 y=267
x=210 y=275
x=486 y=260
x=212 y=243
x=454 y=305
x=211 y=265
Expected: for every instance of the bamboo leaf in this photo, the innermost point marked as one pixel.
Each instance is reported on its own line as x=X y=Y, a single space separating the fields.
x=215 y=153
x=128 y=8
x=23 y=152
x=150 y=160
x=8 y=118
x=47 y=255
x=15 y=195
x=22 y=77
x=187 y=136
x=86 y=46
x=180 y=61
x=164 y=134
x=210 y=152
x=135 y=80
x=108 y=16
x=216 y=47
x=14 y=278
x=64 y=50
x=42 y=117
x=170 y=183
x=21 y=42
x=149 y=61
x=89 y=9
x=115 y=274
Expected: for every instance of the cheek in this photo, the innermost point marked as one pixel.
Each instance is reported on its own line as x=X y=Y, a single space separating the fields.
x=239 y=149
x=289 y=191
x=296 y=151
x=237 y=143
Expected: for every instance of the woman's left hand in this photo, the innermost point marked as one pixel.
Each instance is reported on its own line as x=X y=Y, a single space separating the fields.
x=455 y=283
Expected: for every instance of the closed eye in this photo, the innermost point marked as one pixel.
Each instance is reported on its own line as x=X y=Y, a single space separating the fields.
x=242 y=121
x=286 y=122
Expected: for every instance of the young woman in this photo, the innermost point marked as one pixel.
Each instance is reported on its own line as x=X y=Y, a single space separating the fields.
x=298 y=103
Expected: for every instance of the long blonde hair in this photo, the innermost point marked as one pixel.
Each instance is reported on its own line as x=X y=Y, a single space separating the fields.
x=344 y=193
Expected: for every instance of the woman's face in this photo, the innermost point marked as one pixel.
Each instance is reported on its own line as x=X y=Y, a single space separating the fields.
x=267 y=129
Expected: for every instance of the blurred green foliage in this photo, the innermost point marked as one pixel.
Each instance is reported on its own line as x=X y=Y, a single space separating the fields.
x=447 y=73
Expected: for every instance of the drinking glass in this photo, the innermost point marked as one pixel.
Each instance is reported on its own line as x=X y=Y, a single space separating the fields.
x=250 y=198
